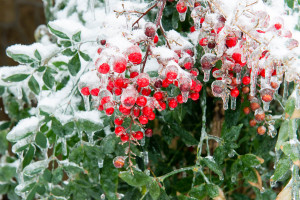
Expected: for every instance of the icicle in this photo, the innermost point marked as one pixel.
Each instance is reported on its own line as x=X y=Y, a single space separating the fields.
x=142 y=142
x=86 y=101
x=19 y=92
x=91 y=138
x=146 y=158
x=100 y=163
x=107 y=7
x=92 y=8
x=182 y=16
x=233 y=102
x=272 y=132
x=298 y=96
x=268 y=75
x=238 y=78
x=64 y=146
x=225 y=100
x=253 y=81
x=185 y=96
x=285 y=90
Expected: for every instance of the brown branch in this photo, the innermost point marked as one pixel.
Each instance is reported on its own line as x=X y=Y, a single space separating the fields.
x=145 y=59
x=163 y=33
x=145 y=13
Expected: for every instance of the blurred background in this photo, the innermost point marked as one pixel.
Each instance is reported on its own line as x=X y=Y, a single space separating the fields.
x=18 y=20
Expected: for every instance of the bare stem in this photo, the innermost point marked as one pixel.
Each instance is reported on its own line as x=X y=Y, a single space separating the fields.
x=145 y=13
x=145 y=59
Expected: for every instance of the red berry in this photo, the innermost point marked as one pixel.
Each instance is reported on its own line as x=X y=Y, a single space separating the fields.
x=141 y=101
x=252 y=122
x=120 y=67
x=143 y=119
x=118 y=121
x=267 y=98
x=105 y=100
x=181 y=7
x=165 y=83
x=134 y=74
x=143 y=82
x=246 y=80
x=192 y=29
x=202 y=20
x=119 y=130
x=277 y=26
x=136 y=111
x=235 y=92
x=203 y=42
x=147 y=111
x=261 y=130
x=123 y=110
x=118 y=91
x=135 y=58
x=150 y=30
x=179 y=98
x=148 y=132
x=95 y=91
x=129 y=102
x=85 y=91
x=171 y=75
x=146 y=91
x=100 y=107
x=188 y=65
x=104 y=68
x=158 y=95
x=158 y=84
x=155 y=40
x=172 y=103
x=119 y=162
x=109 y=111
x=163 y=105
x=195 y=96
x=237 y=57
x=151 y=116
x=246 y=110
x=99 y=50
x=102 y=42
x=119 y=82
x=124 y=138
x=138 y=135
x=231 y=41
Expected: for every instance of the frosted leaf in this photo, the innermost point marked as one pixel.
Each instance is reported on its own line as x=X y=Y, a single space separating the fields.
x=24 y=128
x=22 y=143
x=35 y=168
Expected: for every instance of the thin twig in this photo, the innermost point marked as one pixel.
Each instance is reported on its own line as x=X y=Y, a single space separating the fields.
x=163 y=33
x=145 y=59
x=145 y=13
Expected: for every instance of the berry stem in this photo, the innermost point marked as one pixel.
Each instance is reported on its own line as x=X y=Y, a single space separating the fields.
x=145 y=59
x=145 y=13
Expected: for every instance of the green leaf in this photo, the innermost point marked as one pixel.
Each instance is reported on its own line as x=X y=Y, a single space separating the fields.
x=88 y=126
x=48 y=78
x=41 y=69
x=58 y=64
x=232 y=134
x=153 y=189
x=137 y=179
x=249 y=174
x=250 y=160
x=28 y=156
x=37 y=55
x=282 y=167
x=292 y=150
x=26 y=186
x=57 y=127
x=68 y=52
x=212 y=190
x=198 y=192
x=4 y=188
x=186 y=137
x=66 y=43
x=77 y=37
x=7 y=173
x=290 y=106
x=283 y=134
x=211 y=164
x=72 y=168
x=34 y=85
x=41 y=140
x=20 y=58
x=31 y=195
x=290 y=3
x=58 y=33
x=153 y=73
x=74 y=65
x=85 y=56
x=35 y=168
x=109 y=179
x=108 y=144
x=16 y=78
x=57 y=175
x=2 y=90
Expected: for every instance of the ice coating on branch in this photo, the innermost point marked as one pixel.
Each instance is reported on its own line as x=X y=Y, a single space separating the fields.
x=93 y=116
x=177 y=42
x=23 y=128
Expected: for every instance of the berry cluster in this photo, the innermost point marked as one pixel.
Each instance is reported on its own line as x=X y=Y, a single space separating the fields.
x=132 y=95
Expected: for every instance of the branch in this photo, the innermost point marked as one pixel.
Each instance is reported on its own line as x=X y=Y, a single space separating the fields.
x=145 y=59
x=145 y=13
